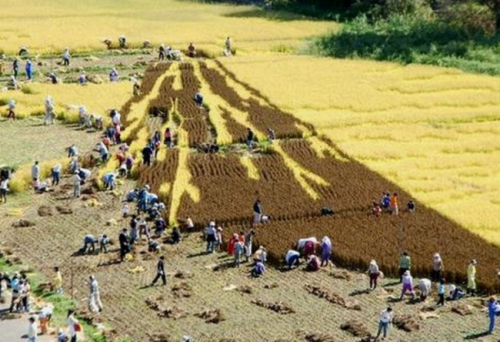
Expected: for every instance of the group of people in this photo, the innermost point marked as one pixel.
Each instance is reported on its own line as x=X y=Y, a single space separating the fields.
x=389 y=204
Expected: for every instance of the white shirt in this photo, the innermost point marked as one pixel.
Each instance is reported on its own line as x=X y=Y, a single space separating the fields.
x=57 y=168
x=190 y=223
x=35 y=171
x=33 y=329
x=4 y=184
x=70 y=321
x=385 y=316
x=424 y=285
x=12 y=104
x=290 y=254
x=302 y=242
x=76 y=180
x=116 y=118
x=408 y=280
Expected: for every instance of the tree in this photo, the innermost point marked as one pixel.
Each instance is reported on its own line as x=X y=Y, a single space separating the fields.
x=494 y=6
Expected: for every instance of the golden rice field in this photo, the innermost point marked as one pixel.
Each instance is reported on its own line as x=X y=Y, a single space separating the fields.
x=97 y=98
x=50 y=26
x=432 y=131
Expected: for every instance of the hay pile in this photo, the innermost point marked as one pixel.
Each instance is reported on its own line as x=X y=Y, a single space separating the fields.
x=160 y=304
x=319 y=337
x=211 y=316
x=278 y=307
x=182 y=290
x=332 y=297
x=22 y=224
x=407 y=323
x=45 y=210
x=64 y=210
x=462 y=309
x=356 y=328
x=271 y=286
x=343 y=274
x=160 y=337
x=245 y=289
x=183 y=275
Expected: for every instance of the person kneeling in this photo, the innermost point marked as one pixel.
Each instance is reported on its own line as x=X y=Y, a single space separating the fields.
x=258 y=269
x=313 y=263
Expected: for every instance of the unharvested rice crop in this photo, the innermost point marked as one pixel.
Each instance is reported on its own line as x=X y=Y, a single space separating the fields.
x=294 y=182
x=430 y=130
x=56 y=24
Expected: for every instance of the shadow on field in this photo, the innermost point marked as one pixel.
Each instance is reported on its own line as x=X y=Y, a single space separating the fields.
x=269 y=15
x=475 y=336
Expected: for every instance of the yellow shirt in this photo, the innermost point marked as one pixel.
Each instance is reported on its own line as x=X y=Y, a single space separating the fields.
x=58 y=279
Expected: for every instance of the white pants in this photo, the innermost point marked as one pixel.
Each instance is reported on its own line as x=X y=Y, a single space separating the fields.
x=95 y=303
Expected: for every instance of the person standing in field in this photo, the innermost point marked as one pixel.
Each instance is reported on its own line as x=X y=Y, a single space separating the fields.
x=385 y=319
x=66 y=57
x=211 y=237
x=49 y=110
x=32 y=330
x=35 y=170
x=376 y=210
x=160 y=272
x=56 y=174
x=326 y=251
x=493 y=309
x=228 y=45
x=15 y=67
x=191 y=50
x=407 y=285
x=248 y=244
x=168 y=137
x=238 y=251
x=257 y=212
x=95 y=298
x=250 y=137
x=437 y=268
x=441 y=291
x=404 y=265
x=4 y=187
x=162 y=53
x=386 y=201
x=113 y=75
x=12 y=107
x=29 y=70
x=57 y=281
x=123 y=238
x=77 y=185
x=373 y=273
x=394 y=204
x=147 y=152
x=72 y=323
x=411 y=206
x=471 y=277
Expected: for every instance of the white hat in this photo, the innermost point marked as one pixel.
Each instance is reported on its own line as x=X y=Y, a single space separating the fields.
x=212 y=224
x=186 y=338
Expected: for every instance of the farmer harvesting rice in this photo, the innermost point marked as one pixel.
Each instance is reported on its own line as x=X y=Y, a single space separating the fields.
x=313 y=263
x=424 y=285
x=373 y=273
x=160 y=271
x=49 y=110
x=191 y=50
x=326 y=251
x=29 y=70
x=12 y=83
x=407 y=285
x=12 y=106
x=306 y=246
x=113 y=75
x=437 y=267
x=257 y=212
x=292 y=258
x=66 y=57
x=404 y=265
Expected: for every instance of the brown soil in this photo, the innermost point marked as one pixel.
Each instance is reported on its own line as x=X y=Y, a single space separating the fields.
x=356 y=328
x=406 y=322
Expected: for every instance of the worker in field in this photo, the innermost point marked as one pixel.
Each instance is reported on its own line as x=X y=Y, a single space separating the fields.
x=4 y=188
x=124 y=241
x=103 y=241
x=29 y=70
x=258 y=269
x=373 y=274
x=198 y=98
x=376 y=210
x=313 y=263
x=407 y=285
x=95 y=303
x=12 y=83
x=88 y=242
x=35 y=170
x=122 y=41
x=326 y=251
x=82 y=79
x=404 y=265
x=109 y=180
x=228 y=45
x=493 y=309
x=113 y=75
x=441 y=292
x=57 y=281
x=257 y=212
x=66 y=57
x=53 y=78
x=72 y=151
x=56 y=174
x=49 y=110
x=260 y=255
x=103 y=152
x=147 y=152
x=84 y=174
x=394 y=204
x=471 y=278
x=410 y=206
x=15 y=67
x=160 y=271
x=239 y=248
x=162 y=53
x=168 y=137
x=424 y=286
x=250 y=137
x=385 y=202
x=306 y=246
x=437 y=268
x=191 y=50
x=12 y=106
x=271 y=135
x=77 y=184
x=136 y=89
x=292 y=258
x=386 y=317
x=248 y=244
